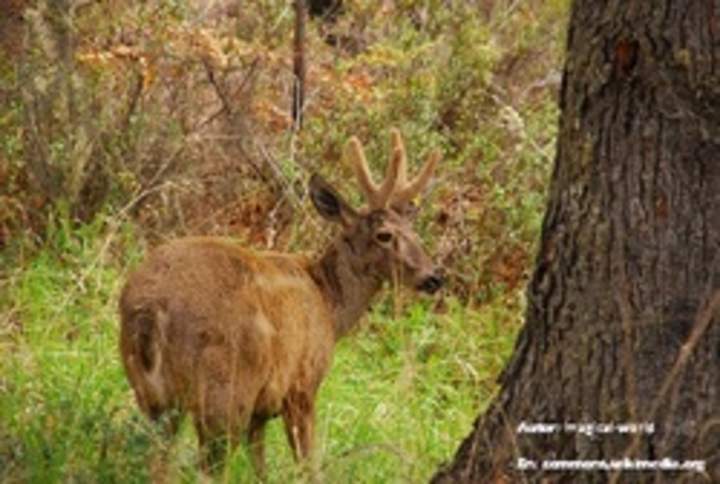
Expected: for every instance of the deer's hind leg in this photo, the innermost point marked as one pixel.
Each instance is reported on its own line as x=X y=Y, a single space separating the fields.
x=232 y=376
x=219 y=423
x=256 y=444
x=167 y=422
x=215 y=443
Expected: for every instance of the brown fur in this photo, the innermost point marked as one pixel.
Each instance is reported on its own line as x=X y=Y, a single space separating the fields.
x=236 y=337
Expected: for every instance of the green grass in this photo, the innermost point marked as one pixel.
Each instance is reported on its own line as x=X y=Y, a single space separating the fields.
x=401 y=394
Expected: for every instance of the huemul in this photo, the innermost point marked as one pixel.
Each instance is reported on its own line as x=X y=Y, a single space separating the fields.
x=235 y=337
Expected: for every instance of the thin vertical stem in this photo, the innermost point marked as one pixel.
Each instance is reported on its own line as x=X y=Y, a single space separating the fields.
x=299 y=65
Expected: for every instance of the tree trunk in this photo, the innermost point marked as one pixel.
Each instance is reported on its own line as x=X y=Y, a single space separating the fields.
x=623 y=318
x=299 y=65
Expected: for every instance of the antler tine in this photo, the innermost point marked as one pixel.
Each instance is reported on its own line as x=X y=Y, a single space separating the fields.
x=396 y=172
x=398 y=155
x=355 y=154
x=395 y=189
x=390 y=184
x=410 y=190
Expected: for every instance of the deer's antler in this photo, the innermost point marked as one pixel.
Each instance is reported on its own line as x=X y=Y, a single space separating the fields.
x=395 y=190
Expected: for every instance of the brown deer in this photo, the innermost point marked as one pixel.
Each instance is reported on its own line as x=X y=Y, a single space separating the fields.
x=236 y=337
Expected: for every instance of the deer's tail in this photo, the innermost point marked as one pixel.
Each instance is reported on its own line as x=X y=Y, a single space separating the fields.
x=141 y=344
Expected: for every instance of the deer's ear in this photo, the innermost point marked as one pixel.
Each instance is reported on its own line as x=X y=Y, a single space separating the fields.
x=329 y=203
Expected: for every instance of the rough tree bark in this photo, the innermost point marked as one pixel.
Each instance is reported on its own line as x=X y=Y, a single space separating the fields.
x=623 y=318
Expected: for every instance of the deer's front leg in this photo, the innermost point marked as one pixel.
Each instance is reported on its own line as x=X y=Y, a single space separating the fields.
x=299 y=417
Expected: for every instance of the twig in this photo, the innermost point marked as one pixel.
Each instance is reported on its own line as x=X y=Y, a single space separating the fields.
x=222 y=95
x=132 y=105
x=250 y=75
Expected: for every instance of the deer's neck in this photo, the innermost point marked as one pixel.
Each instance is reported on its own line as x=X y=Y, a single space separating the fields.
x=347 y=286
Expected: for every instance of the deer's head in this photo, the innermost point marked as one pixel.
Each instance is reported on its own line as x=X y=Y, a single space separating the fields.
x=380 y=235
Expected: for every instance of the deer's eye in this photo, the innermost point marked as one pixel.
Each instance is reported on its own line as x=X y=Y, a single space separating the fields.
x=383 y=237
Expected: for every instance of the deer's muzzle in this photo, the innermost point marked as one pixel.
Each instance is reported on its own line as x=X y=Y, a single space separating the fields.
x=432 y=283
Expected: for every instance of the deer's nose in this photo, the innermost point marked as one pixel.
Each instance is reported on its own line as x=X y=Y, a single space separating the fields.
x=432 y=283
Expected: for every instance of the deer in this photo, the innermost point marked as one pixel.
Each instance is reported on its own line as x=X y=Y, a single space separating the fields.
x=236 y=337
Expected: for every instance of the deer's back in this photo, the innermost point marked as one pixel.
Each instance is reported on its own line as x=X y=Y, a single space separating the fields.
x=205 y=320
